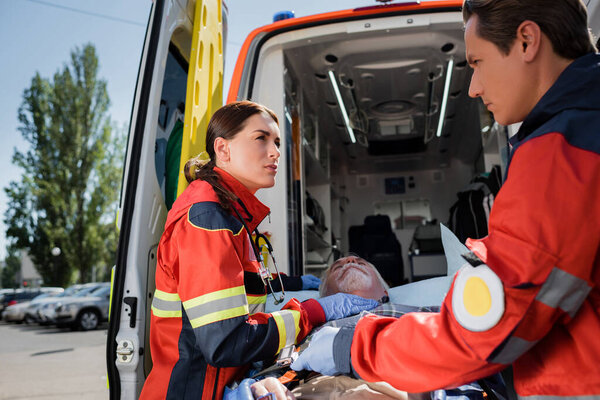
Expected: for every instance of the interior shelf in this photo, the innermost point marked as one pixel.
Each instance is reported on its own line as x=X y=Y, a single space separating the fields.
x=314 y=241
x=314 y=172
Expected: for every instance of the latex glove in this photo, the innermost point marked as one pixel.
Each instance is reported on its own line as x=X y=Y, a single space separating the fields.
x=310 y=282
x=342 y=305
x=318 y=356
x=242 y=392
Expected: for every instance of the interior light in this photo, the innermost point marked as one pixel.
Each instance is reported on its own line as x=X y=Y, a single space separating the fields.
x=338 y=95
x=445 y=98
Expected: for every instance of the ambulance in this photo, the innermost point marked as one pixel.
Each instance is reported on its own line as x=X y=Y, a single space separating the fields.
x=379 y=139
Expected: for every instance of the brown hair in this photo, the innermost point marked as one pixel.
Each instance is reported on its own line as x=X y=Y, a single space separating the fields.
x=226 y=122
x=563 y=21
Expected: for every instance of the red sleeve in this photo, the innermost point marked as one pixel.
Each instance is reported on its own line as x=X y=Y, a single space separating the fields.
x=543 y=225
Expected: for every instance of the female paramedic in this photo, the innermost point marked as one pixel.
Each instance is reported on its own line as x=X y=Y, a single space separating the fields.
x=207 y=323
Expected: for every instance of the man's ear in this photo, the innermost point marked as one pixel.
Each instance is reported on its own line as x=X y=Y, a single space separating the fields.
x=529 y=37
x=221 y=147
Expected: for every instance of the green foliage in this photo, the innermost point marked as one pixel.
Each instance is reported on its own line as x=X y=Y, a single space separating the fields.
x=67 y=195
x=12 y=262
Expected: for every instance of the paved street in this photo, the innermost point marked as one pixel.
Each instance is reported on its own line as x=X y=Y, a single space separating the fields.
x=47 y=363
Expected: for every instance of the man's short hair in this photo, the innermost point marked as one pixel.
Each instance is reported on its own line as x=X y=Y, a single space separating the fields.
x=564 y=22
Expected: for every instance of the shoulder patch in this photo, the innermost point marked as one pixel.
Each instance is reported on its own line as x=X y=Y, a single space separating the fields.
x=477 y=298
x=211 y=216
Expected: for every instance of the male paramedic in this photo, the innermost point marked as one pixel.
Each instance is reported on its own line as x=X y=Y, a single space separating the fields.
x=528 y=294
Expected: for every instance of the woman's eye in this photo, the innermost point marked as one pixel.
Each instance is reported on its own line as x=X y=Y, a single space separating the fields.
x=262 y=137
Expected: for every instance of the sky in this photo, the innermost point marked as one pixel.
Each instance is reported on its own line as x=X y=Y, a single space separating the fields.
x=39 y=35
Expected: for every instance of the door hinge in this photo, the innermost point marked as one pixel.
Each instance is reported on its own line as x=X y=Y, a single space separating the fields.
x=125 y=351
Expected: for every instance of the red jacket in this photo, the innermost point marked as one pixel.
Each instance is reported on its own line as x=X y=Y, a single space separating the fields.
x=206 y=324
x=543 y=245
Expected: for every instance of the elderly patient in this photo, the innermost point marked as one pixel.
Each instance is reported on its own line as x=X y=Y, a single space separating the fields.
x=353 y=275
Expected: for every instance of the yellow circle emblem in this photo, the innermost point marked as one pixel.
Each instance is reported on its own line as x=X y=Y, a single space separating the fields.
x=476 y=297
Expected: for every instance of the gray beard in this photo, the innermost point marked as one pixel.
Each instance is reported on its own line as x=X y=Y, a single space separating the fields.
x=354 y=279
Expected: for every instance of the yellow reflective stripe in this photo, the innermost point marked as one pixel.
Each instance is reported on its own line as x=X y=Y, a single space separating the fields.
x=159 y=294
x=257 y=299
x=166 y=314
x=166 y=305
x=219 y=294
x=288 y=325
x=219 y=316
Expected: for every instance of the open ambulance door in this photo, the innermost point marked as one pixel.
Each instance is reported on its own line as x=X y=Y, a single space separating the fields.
x=179 y=87
x=379 y=135
x=377 y=127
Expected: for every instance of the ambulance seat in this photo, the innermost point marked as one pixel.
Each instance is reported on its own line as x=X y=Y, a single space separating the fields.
x=376 y=242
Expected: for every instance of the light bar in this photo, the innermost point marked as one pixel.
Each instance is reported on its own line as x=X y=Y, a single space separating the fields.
x=336 y=90
x=445 y=98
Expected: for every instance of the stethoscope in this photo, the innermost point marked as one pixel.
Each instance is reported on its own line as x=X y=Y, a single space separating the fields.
x=257 y=248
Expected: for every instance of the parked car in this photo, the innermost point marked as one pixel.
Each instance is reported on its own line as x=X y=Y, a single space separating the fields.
x=84 y=313
x=23 y=294
x=31 y=311
x=16 y=312
x=47 y=313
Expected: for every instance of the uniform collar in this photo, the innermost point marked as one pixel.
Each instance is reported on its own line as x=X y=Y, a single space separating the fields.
x=248 y=206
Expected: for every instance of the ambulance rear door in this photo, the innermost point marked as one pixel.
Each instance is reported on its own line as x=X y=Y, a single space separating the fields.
x=179 y=86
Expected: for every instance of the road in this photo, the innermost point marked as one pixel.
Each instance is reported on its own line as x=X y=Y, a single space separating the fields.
x=38 y=362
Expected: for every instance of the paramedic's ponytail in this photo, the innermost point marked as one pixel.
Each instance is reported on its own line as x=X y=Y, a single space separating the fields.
x=226 y=122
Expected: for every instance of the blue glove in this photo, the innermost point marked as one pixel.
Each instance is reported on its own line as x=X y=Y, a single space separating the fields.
x=318 y=356
x=342 y=305
x=242 y=392
x=310 y=282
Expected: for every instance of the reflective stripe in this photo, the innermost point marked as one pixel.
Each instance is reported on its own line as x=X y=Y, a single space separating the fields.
x=256 y=308
x=257 y=299
x=563 y=290
x=219 y=316
x=512 y=349
x=257 y=304
x=288 y=324
x=216 y=306
x=166 y=296
x=560 y=290
x=166 y=305
x=540 y=397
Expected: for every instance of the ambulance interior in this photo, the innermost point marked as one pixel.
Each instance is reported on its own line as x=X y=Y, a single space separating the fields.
x=379 y=184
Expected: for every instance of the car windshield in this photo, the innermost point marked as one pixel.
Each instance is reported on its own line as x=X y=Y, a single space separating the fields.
x=85 y=291
x=101 y=291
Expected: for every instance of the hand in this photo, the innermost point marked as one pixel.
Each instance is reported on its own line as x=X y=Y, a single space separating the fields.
x=342 y=305
x=318 y=356
x=242 y=392
x=271 y=386
x=310 y=282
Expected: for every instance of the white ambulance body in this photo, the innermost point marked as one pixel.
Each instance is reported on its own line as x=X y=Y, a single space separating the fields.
x=376 y=123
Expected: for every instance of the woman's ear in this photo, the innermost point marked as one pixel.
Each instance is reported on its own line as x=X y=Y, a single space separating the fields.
x=529 y=36
x=221 y=147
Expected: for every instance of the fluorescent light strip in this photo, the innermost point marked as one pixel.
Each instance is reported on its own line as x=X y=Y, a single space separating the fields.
x=445 y=98
x=342 y=106
x=288 y=116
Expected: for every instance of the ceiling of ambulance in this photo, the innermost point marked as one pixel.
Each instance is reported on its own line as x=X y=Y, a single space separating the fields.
x=392 y=84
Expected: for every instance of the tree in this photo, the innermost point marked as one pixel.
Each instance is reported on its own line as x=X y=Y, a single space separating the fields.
x=67 y=195
x=12 y=265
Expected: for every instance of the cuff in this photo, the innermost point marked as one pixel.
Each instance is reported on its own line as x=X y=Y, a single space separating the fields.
x=291 y=283
x=316 y=315
x=342 y=343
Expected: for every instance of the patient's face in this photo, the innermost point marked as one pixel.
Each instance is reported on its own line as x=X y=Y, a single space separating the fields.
x=353 y=275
